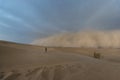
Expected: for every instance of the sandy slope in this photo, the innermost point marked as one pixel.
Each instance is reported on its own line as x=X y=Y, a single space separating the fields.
x=25 y=62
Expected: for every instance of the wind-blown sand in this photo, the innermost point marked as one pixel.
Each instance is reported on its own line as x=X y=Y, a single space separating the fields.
x=84 y=38
x=26 y=62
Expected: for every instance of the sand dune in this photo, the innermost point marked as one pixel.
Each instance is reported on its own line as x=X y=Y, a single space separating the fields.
x=27 y=62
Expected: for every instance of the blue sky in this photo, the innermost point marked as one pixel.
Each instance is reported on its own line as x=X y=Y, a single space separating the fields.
x=26 y=20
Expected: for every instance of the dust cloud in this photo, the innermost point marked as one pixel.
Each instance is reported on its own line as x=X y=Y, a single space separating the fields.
x=92 y=38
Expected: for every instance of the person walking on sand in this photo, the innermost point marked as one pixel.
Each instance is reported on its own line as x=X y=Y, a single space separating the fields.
x=45 y=49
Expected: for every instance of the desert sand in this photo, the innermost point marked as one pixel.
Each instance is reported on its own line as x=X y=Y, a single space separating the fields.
x=30 y=62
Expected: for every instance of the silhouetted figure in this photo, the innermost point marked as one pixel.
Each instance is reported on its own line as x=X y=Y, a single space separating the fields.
x=45 y=49
x=97 y=55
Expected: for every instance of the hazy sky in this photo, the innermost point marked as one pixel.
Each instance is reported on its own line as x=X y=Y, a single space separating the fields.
x=26 y=20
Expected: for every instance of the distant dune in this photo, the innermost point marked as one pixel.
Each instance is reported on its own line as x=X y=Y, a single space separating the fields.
x=28 y=62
